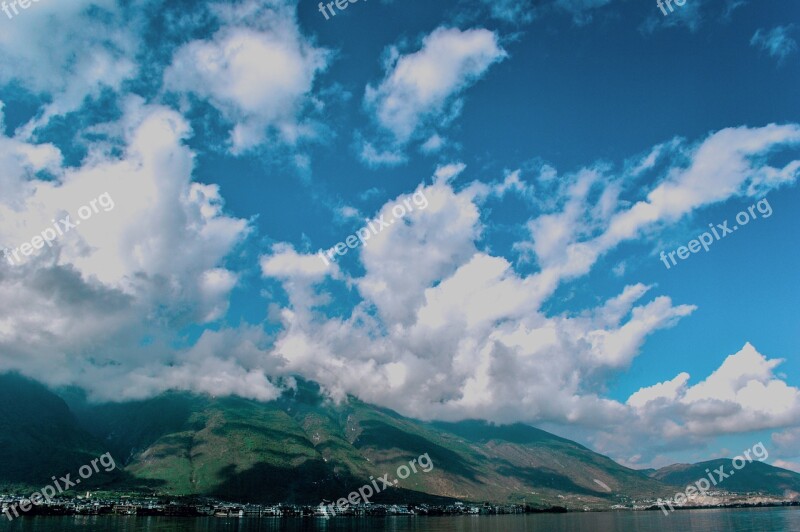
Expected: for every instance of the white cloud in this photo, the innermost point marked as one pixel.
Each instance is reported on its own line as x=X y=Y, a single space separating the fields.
x=42 y=50
x=456 y=332
x=667 y=391
x=422 y=89
x=257 y=70
x=446 y=330
x=510 y=183
x=375 y=157
x=106 y=299
x=20 y=160
x=433 y=145
x=347 y=212
x=439 y=238
x=285 y=263
x=448 y=172
x=619 y=346
x=742 y=395
x=728 y=163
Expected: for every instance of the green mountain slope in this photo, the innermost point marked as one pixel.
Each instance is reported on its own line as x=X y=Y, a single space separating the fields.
x=304 y=448
x=755 y=476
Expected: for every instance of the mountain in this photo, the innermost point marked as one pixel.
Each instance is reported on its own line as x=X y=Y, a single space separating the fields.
x=301 y=448
x=754 y=476
x=40 y=436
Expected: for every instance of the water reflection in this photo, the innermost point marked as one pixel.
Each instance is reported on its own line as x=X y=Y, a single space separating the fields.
x=744 y=520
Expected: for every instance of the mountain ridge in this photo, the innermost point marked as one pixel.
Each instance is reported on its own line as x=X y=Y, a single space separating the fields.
x=303 y=448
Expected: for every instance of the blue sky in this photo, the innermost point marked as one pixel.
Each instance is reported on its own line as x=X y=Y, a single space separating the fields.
x=559 y=146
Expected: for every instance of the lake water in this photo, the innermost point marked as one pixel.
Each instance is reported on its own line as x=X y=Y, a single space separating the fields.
x=743 y=520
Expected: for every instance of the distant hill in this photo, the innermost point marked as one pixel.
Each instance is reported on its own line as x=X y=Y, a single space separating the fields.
x=755 y=476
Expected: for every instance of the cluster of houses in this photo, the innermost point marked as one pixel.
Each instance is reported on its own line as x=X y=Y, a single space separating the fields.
x=712 y=499
x=457 y=508
x=92 y=504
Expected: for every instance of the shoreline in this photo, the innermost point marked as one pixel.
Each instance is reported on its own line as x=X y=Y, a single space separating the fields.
x=237 y=511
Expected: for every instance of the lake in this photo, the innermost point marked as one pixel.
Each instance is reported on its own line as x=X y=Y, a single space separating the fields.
x=740 y=520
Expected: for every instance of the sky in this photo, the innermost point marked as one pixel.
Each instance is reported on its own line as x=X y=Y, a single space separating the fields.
x=578 y=214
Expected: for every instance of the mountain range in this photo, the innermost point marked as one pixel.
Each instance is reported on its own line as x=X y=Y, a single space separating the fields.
x=303 y=448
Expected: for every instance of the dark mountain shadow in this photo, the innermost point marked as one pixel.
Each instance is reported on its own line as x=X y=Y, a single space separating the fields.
x=547 y=478
x=127 y=428
x=307 y=483
x=39 y=435
x=382 y=436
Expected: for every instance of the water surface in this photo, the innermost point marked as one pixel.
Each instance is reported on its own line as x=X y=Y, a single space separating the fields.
x=740 y=520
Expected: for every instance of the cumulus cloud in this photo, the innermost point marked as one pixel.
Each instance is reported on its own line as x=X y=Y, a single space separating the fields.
x=20 y=160
x=423 y=88
x=220 y=363
x=447 y=330
x=286 y=263
x=257 y=70
x=455 y=332
x=666 y=392
x=42 y=52
x=744 y=394
x=108 y=295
